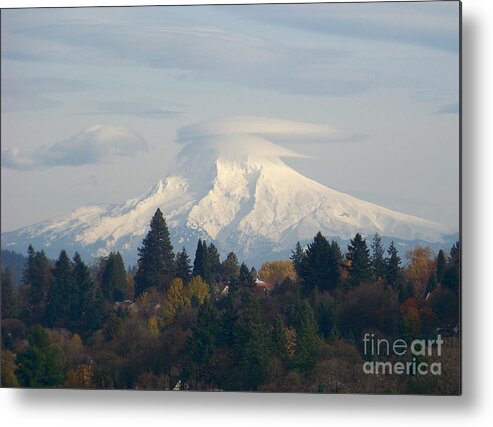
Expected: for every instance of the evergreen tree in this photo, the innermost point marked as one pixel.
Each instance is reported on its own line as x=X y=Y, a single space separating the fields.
x=8 y=295
x=451 y=277
x=278 y=339
x=156 y=263
x=245 y=278
x=251 y=345
x=326 y=317
x=441 y=265
x=336 y=252
x=42 y=363
x=37 y=277
x=377 y=257
x=308 y=342
x=114 y=278
x=229 y=319
x=297 y=256
x=393 y=264
x=455 y=254
x=214 y=262
x=28 y=271
x=202 y=342
x=360 y=269
x=319 y=267
x=230 y=268
x=90 y=308
x=432 y=282
x=201 y=265
x=253 y=272
x=183 y=266
x=63 y=297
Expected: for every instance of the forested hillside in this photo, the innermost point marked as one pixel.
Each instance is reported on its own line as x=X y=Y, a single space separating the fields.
x=296 y=325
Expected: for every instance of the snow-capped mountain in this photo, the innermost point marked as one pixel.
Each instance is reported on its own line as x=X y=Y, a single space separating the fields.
x=234 y=190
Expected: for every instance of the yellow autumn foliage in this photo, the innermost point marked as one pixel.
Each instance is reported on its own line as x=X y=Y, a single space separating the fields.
x=420 y=267
x=176 y=298
x=276 y=272
x=199 y=289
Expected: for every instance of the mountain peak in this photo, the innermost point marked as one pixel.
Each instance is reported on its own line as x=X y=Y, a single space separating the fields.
x=231 y=187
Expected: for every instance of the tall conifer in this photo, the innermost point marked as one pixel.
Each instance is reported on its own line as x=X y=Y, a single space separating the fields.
x=63 y=297
x=360 y=269
x=183 y=267
x=156 y=263
x=201 y=264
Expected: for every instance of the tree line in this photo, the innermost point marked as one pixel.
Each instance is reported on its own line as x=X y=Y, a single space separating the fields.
x=206 y=325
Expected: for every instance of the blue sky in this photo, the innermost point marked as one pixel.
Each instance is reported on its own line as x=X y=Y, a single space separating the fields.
x=386 y=75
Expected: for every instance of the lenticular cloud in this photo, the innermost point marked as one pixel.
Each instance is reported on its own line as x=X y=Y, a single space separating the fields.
x=277 y=129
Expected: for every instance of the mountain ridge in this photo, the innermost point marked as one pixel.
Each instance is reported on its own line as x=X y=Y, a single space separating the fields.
x=236 y=191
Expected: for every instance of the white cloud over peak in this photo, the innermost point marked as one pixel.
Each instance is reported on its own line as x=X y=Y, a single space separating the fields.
x=278 y=129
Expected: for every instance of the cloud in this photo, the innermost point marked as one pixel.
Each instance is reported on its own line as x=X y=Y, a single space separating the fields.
x=191 y=50
x=258 y=137
x=134 y=109
x=96 y=144
x=432 y=25
x=304 y=49
x=278 y=129
x=36 y=93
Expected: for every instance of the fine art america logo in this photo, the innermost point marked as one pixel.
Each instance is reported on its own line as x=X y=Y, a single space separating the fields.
x=416 y=351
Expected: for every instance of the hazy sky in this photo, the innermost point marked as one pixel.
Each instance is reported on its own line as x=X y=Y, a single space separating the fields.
x=386 y=76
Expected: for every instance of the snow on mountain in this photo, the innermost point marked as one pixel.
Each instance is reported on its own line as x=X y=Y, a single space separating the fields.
x=233 y=189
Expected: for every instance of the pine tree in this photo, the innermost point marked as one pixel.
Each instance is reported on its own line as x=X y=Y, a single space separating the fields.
x=377 y=257
x=326 y=317
x=37 y=276
x=90 y=309
x=201 y=265
x=360 y=270
x=451 y=277
x=393 y=264
x=29 y=269
x=320 y=268
x=230 y=268
x=441 y=265
x=202 y=342
x=8 y=295
x=336 y=252
x=228 y=321
x=156 y=263
x=245 y=278
x=454 y=258
x=114 y=278
x=214 y=262
x=183 y=266
x=251 y=345
x=308 y=342
x=279 y=341
x=432 y=282
x=297 y=256
x=63 y=294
